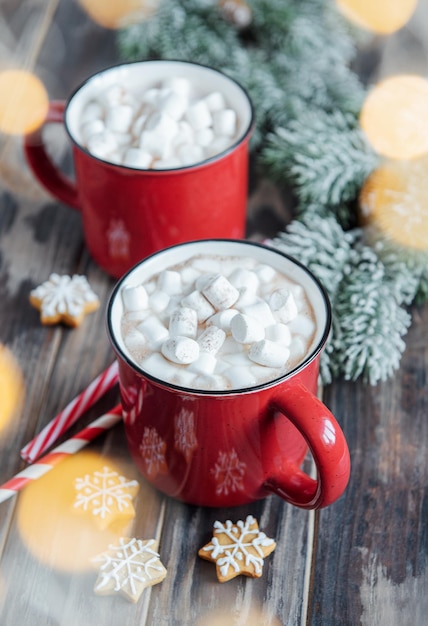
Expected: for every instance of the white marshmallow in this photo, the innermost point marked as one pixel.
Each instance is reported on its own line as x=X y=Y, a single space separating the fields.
x=170 y=282
x=174 y=104
x=215 y=101
x=243 y=278
x=159 y=301
x=268 y=353
x=154 y=331
x=123 y=139
x=151 y=96
x=138 y=125
x=91 y=128
x=179 y=85
x=134 y=340
x=184 y=135
x=297 y=349
x=204 y=137
x=280 y=333
x=238 y=359
x=260 y=310
x=113 y=95
x=158 y=366
x=134 y=298
x=224 y=122
x=102 y=144
x=302 y=325
x=92 y=111
x=220 y=292
x=223 y=319
x=265 y=273
x=195 y=300
x=189 y=275
x=182 y=350
x=218 y=145
x=282 y=302
x=198 y=115
x=184 y=377
x=204 y=364
x=190 y=154
x=119 y=118
x=240 y=377
x=208 y=266
x=135 y=157
x=184 y=322
x=246 y=329
x=166 y=164
x=247 y=297
x=202 y=281
x=155 y=144
x=212 y=382
x=211 y=339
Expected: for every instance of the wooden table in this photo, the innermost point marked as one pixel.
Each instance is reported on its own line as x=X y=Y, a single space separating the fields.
x=361 y=561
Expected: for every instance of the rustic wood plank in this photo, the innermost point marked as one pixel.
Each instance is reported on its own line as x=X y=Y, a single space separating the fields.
x=370 y=565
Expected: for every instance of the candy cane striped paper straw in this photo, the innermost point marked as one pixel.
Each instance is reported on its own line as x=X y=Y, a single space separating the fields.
x=64 y=450
x=68 y=416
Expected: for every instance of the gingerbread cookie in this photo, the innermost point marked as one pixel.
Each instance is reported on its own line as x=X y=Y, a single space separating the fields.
x=64 y=299
x=128 y=568
x=237 y=549
x=105 y=496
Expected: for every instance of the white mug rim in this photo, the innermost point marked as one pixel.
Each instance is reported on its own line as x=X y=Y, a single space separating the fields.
x=309 y=358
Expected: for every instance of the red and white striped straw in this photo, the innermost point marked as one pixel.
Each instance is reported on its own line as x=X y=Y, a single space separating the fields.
x=64 y=450
x=68 y=416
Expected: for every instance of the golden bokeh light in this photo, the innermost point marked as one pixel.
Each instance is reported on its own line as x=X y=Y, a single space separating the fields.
x=12 y=388
x=49 y=525
x=394 y=202
x=24 y=102
x=394 y=117
x=380 y=16
x=117 y=13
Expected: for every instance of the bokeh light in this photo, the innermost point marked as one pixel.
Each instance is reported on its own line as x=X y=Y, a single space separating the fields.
x=49 y=525
x=24 y=102
x=117 y=13
x=380 y=16
x=394 y=201
x=12 y=388
x=394 y=117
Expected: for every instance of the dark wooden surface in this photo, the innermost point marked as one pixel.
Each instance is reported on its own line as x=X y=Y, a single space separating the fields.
x=361 y=561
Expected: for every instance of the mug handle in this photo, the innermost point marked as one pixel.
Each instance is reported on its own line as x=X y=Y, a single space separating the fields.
x=42 y=165
x=329 y=449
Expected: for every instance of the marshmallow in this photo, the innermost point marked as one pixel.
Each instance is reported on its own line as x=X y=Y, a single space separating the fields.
x=303 y=326
x=238 y=359
x=211 y=339
x=204 y=364
x=134 y=340
x=268 y=353
x=202 y=281
x=102 y=144
x=240 y=377
x=91 y=128
x=282 y=302
x=154 y=331
x=174 y=104
x=92 y=111
x=247 y=297
x=260 y=310
x=159 y=301
x=184 y=134
x=151 y=96
x=183 y=321
x=223 y=319
x=134 y=298
x=158 y=366
x=170 y=282
x=215 y=101
x=212 y=382
x=217 y=146
x=166 y=164
x=198 y=115
x=119 y=118
x=138 y=125
x=178 y=84
x=182 y=350
x=189 y=275
x=204 y=137
x=280 y=333
x=246 y=329
x=244 y=279
x=197 y=301
x=135 y=157
x=265 y=273
x=184 y=377
x=208 y=266
x=297 y=348
x=190 y=154
x=224 y=122
x=113 y=95
x=220 y=292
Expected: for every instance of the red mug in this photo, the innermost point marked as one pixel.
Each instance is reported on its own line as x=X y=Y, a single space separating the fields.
x=226 y=448
x=130 y=213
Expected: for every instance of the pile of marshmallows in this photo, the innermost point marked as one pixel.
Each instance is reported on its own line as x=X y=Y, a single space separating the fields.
x=164 y=127
x=217 y=324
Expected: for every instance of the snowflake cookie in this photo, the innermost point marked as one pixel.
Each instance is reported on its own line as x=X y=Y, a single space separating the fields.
x=106 y=495
x=64 y=299
x=128 y=568
x=237 y=549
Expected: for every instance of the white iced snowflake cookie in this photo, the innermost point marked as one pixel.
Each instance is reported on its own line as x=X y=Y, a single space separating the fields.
x=64 y=299
x=105 y=496
x=237 y=549
x=128 y=568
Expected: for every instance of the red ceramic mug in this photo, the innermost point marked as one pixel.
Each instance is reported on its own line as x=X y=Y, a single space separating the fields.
x=129 y=213
x=225 y=448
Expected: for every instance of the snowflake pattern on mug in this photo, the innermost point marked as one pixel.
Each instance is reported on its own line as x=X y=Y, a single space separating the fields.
x=106 y=495
x=132 y=395
x=152 y=449
x=238 y=549
x=128 y=568
x=228 y=472
x=184 y=434
x=118 y=240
